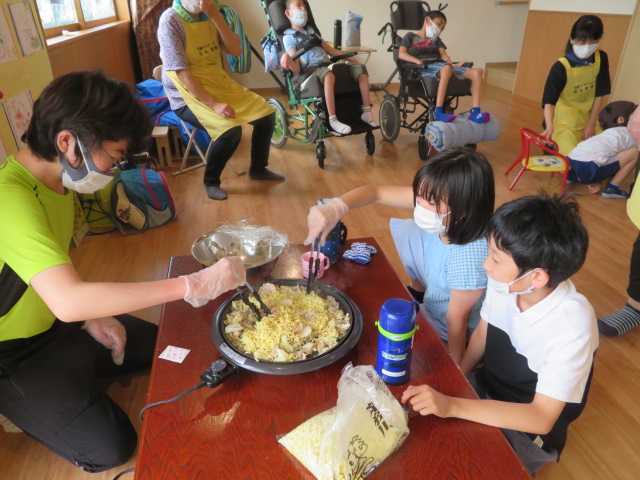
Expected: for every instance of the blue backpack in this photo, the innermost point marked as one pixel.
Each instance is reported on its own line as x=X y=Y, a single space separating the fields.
x=141 y=199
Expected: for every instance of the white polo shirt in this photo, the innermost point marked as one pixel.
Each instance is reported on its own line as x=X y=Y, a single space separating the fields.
x=558 y=336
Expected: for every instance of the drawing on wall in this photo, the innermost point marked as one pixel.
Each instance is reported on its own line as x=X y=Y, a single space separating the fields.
x=8 y=50
x=18 y=110
x=26 y=29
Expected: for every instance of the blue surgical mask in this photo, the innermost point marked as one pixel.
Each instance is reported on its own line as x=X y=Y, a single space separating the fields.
x=430 y=222
x=87 y=178
x=503 y=288
x=299 y=17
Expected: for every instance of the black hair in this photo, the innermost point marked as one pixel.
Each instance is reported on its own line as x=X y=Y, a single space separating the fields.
x=94 y=107
x=433 y=14
x=587 y=27
x=464 y=181
x=539 y=231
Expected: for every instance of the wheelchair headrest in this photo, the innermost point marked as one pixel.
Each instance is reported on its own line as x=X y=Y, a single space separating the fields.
x=280 y=22
x=408 y=14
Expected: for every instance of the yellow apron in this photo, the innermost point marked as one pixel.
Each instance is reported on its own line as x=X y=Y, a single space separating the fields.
x=574 y=105
x=205 y=63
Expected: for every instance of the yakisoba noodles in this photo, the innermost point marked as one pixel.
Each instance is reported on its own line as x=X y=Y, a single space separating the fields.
x=299 y=326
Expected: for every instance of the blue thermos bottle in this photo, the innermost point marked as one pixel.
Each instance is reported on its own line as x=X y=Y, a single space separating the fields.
x=396 y=328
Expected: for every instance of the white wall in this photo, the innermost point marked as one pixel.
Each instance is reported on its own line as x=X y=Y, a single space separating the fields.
x=478 y=31
x=615 y=7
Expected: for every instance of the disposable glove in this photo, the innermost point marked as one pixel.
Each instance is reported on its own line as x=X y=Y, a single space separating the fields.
x=109 y=332
x=322 y=219
x=208 y=283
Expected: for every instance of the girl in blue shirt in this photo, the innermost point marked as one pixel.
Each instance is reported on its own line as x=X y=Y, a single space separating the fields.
x=444 y=245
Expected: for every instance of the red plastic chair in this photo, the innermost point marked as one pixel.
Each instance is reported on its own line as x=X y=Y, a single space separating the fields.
x=551 y=163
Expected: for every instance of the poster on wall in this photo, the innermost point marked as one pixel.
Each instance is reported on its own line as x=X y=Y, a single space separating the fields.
x=8 y=49
x=26 y=29
x=3 y=152
x=18 y=110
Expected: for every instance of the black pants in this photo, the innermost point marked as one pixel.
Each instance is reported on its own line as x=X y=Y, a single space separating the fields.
x=49 y=388
x=633 y=290
x=227 y=143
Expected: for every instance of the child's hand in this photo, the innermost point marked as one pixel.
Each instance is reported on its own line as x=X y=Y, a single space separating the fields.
x=426 y=401
x=588 y=132
x=285 y=61
x=459 y=64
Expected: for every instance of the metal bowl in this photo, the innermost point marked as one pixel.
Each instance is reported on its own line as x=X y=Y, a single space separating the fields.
x=344 y=346
x=254 y=244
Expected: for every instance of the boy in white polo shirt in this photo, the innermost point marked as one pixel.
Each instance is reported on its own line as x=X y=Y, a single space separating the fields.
x=537 y=336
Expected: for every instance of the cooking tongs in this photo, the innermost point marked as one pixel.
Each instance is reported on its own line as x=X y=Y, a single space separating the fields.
x=263 y=311
x=314 y=266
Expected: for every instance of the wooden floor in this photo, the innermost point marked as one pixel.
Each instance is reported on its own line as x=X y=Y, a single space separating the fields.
x=603 y=444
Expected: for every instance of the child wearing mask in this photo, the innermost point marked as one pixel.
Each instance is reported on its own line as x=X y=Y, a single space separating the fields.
x=443 y=246
x=575 y=87
x=429 y=36
x=316 y=61
x=534 y=346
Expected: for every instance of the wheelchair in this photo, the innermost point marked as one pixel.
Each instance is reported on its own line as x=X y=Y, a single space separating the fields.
x=309 y=121
x=414 y=105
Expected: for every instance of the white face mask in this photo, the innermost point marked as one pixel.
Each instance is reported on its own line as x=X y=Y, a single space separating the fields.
x=299 y=17
x=430 y=222
x=503 y=288
x=87 y=178
x=192 y=6
x=432 y=31
x=585 y=51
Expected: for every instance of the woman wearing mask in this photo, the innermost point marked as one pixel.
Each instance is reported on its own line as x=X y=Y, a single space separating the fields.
x=575 y=87
x=191 y=34
x=54 y=326
x=444 y=246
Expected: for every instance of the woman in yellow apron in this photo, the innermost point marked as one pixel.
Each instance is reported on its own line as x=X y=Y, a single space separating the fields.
x=628 y=317
x=191 y=34
x=575 y=87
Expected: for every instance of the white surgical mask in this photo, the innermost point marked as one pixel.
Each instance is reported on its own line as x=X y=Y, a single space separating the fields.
x=503 y=288
x=299 y=17
x=87 y=178
x=430 y=222
x=192 y=6
x=432 y=31
x=585 y=51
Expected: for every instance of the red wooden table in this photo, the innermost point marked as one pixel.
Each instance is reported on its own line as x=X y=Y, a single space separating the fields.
x=229 y=432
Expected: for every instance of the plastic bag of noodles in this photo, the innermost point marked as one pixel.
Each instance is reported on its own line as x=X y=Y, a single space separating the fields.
x=350 y=440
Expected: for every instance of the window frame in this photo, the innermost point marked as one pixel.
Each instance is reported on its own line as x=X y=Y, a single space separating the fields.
x=80 y=25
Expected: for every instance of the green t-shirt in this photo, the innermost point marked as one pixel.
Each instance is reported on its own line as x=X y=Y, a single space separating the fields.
x=36 y=225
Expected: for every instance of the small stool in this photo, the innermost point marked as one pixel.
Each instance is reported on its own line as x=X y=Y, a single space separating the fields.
x=161 y=135
x=176 y=137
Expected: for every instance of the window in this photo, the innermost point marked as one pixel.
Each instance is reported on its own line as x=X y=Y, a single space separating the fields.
x=57 y=15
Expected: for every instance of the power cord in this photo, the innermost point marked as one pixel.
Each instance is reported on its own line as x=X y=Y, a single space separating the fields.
x=217 y=373
x=124 y=472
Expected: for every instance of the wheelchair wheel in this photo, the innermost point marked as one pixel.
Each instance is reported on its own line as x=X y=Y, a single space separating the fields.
x=423 y=147
x=389 y=118
x=320 y=154
x=370 y=143
x=279 y=137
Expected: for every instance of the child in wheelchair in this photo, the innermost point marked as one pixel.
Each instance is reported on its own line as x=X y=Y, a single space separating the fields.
x=315 y=61
x=429 y=37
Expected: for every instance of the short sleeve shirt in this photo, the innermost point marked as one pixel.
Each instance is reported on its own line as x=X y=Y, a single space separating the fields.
x=36 y=225
x=603 y=146
x=173 y=53
x=558 y=336
x=311 y=58
x=413 y=40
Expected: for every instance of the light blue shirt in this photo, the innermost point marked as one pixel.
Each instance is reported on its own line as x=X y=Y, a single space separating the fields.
x=441 y=268
x=311 y=58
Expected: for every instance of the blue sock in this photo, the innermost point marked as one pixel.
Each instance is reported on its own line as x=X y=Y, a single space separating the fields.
x=475 y=115
x=440 y=116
